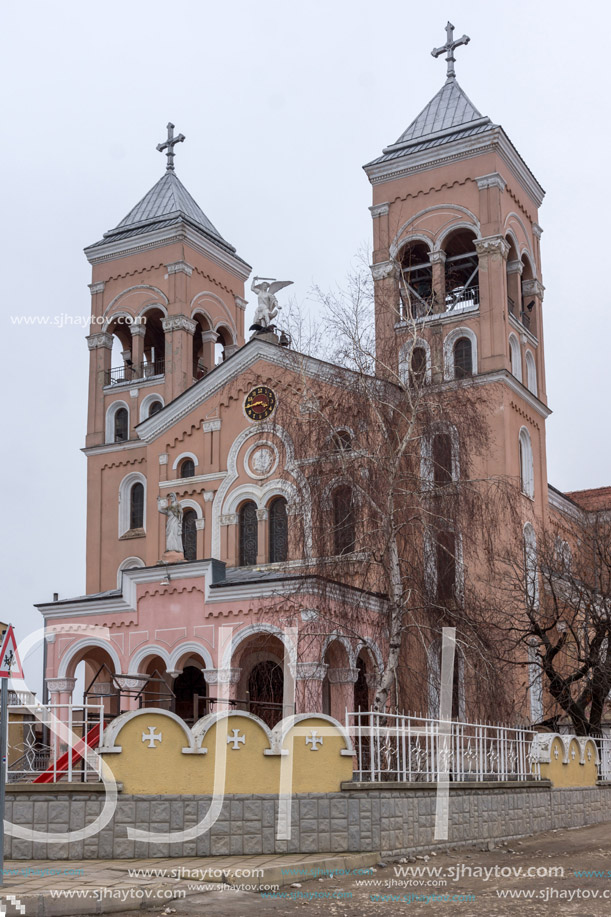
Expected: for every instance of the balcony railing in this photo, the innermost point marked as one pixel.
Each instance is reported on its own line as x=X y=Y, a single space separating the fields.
x=133 y=372
x=462 y=298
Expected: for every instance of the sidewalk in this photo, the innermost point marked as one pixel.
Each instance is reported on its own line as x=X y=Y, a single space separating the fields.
x=60 y=888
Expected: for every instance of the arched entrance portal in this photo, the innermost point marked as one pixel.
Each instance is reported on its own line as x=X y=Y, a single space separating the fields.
x=265 y=691
x=190 y=694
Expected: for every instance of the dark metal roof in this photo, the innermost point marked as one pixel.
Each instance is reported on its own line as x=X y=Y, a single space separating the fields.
x=449 y=115
x=167 y=203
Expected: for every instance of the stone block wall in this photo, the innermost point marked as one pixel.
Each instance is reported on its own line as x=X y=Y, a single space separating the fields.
x=389 y=821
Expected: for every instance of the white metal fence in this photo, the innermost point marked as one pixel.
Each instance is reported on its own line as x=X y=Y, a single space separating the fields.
x=417 y=749
x=604 y=753
x=50 y=743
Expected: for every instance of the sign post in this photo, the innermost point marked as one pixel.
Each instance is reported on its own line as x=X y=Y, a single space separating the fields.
x=10 y=666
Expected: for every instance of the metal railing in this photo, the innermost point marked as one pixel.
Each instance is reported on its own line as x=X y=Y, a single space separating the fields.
x=133 y=372
x=604 y=755
x=412 y=749
x=49 y=744
x=462 y=299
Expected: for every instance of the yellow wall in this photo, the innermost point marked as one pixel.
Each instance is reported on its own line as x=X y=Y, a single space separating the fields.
x=172 y=767
x=573 y=772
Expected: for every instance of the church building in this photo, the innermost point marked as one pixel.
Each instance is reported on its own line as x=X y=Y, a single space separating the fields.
x=198 y=528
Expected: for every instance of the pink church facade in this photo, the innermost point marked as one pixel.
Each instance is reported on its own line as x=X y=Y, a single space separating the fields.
x=455 y=206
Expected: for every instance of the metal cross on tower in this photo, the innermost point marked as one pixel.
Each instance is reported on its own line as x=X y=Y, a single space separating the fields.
x=449 y=47
x=169 y=145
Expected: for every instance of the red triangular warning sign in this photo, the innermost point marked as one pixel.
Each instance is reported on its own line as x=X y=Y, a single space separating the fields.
x=10 y=663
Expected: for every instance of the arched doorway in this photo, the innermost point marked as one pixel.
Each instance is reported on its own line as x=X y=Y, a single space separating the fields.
x=265 y=691
x=190 y=694
x=157 y=692
x=262 y=689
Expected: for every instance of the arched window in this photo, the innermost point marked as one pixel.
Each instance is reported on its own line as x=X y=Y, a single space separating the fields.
x=248 y=534
x=461 y=271
x=278 y=531
x=527 y=470
x=516 y=357
x=463 y=358
x=343 y=520
x=341 y=441
x=446 y=566
x=136 y=506
x=417 y=367
x=121 y=425
x=442 y=458
x=155 y=407
x=531 y=373
x=187 y=468
x=416 y=281
x=189 y=534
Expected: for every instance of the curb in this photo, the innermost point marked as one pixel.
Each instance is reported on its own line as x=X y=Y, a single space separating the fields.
x=43 y=905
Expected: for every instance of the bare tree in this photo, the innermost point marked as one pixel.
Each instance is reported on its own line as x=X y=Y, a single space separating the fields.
x=397 y=503
x=562 y=583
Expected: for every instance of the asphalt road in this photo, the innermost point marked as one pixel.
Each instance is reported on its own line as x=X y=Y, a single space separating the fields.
x=477 y=883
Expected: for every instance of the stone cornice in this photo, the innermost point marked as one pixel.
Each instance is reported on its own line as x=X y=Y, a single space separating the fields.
x=113 y=447
x=379 y=210
x=178 y=323
x=382 y=270
x=493 y=140
x=310 y=671
x=60 y=685
x=180 y=267
x=184 y=483
x=101 y=339
x=126 y=600
x=493 y=180
x=180 y=232
x=491 y=245
x=533 y=288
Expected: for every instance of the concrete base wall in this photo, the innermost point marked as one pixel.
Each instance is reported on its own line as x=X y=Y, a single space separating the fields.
x=391 y=821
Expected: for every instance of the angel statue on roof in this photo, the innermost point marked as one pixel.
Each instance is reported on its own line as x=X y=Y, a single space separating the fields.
x=267 y=308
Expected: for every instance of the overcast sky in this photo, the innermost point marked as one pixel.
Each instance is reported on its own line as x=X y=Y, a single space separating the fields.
x=281 y=104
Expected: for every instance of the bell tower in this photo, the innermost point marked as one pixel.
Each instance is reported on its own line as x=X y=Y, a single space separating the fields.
x=457 y=263
x=167 y=304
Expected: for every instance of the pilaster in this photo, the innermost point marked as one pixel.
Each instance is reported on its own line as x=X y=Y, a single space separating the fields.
x=492 y=255
x=100 y=353
x=179 y=331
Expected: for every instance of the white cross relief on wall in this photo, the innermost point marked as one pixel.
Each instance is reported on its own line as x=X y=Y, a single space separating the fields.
x=236 y=738
x=313 y=739
x=152 y=736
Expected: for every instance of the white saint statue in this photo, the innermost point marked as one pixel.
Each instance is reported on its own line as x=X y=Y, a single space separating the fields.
x=267 y=308
x=173 y=527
